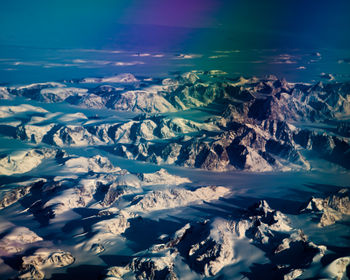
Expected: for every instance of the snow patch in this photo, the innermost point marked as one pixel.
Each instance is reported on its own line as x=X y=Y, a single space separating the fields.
x=24 y=161
x=171 y=198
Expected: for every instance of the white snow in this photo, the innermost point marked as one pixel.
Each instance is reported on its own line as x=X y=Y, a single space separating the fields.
x=162 y=177
x=16 y=240
x=114 y=226
x=73 y=117
x=337 y=269
x=94 y=164
x=37 y=132
x=146 y=100
x=109 y=198
x=106 y=231
x=256 y=162
x=41 y=259
x=177 y=197
x=39 y=85
x=146 y=267
x=60 y=94
x=121 y=78
x=48 y=257
x=69 y=199
x=24 y=161
x=4 y=94
x=9 y=111
x=12 y=196
x=75 y=135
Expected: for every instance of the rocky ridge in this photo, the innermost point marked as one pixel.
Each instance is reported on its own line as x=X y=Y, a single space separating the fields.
x=208 y=246
x=331 y=208
x=263 y=124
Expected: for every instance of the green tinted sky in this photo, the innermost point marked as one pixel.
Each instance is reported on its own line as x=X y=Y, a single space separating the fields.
x=196 y=23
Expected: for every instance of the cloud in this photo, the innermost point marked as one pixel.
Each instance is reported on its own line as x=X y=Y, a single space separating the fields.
x=285 y=59
x=158 y=55
x=187 y=56
x=96 y=62
x=80 y=61
x=51 y=65
x=147 y=55
x=344 y=60
x=99 y=51
x=25 y=63
x=228 y=51
x=218 y=56
x=141 y=54
x=42 y=64
x=126 y=63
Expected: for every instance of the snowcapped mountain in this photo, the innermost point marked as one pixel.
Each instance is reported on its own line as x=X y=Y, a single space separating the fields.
x=121 y=78
x=261 y=124
x=24 y=161
x=207 y=247
x=261 y=99
x=194 y=176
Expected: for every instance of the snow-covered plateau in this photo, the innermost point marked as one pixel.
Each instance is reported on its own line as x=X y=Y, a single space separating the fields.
x=194 y=176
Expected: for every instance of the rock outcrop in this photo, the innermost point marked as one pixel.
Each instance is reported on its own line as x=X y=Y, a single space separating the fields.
x=331 y=208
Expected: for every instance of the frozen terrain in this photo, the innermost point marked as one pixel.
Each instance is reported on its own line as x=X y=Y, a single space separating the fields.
x=197 y=175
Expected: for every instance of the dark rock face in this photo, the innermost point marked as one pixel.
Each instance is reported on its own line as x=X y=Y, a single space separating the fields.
x=331 y=208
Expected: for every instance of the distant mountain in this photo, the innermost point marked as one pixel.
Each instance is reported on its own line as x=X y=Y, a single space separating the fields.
x=258 y=124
